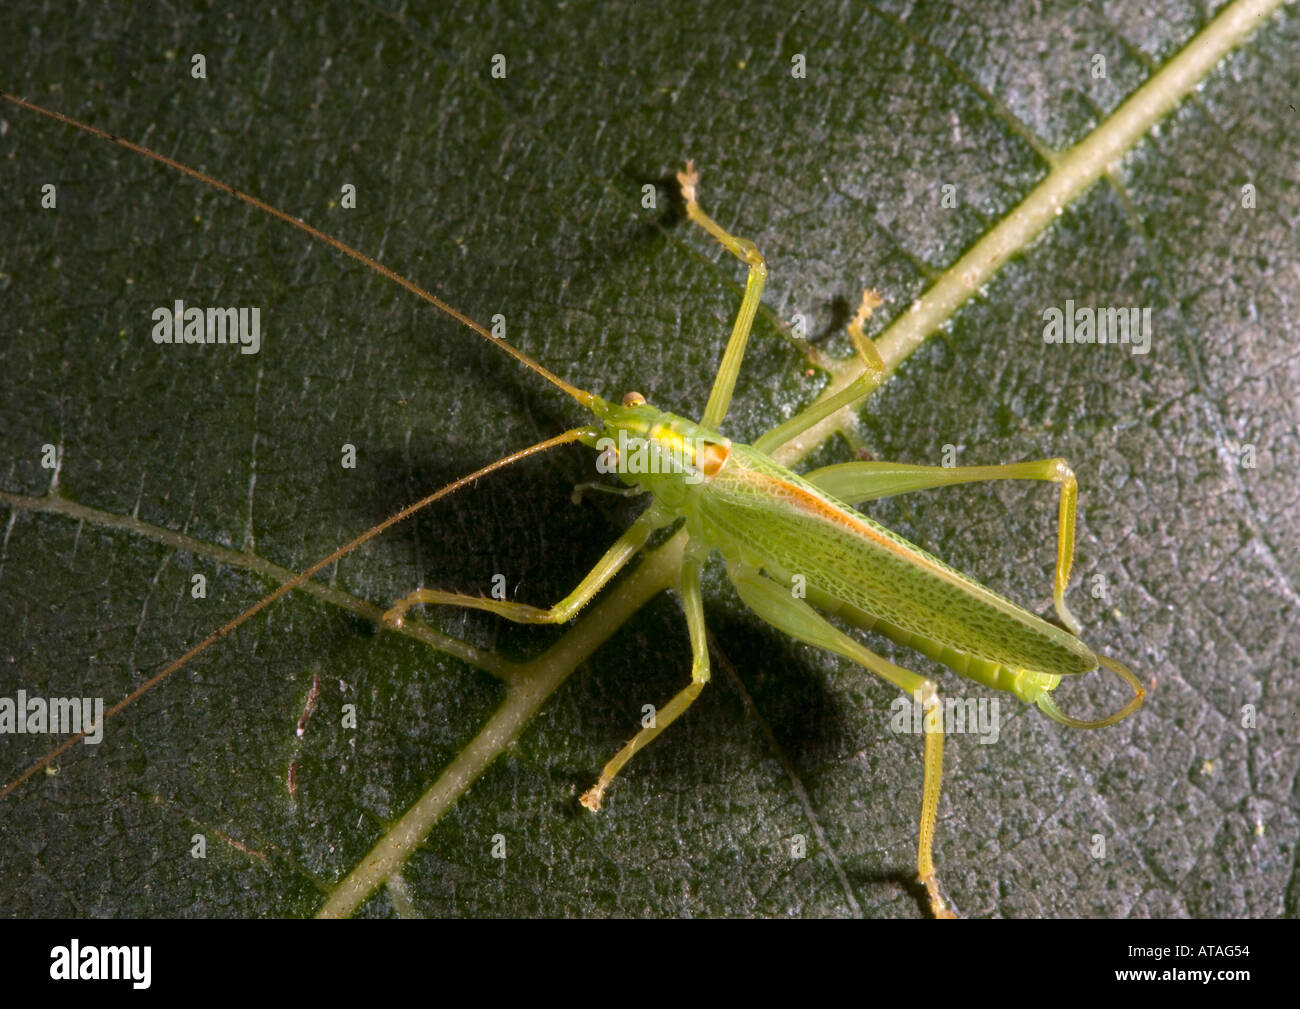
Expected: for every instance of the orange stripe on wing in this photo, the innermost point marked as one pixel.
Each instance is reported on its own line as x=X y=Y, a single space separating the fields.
x=810 y=502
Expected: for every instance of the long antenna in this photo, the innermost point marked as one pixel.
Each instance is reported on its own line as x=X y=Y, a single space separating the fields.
x=573 y=434
x=585 y=398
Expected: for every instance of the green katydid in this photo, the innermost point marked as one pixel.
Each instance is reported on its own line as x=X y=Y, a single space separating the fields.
x=794 y=546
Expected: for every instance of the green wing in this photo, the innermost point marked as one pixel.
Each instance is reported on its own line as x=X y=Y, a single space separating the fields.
x=764 y=515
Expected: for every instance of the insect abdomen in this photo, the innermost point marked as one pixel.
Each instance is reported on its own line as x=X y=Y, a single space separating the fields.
x=1026 y=684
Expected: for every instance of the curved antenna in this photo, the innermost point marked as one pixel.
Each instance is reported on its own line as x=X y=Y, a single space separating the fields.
x=1049 y=708
x=573 y=434
x=585 y=398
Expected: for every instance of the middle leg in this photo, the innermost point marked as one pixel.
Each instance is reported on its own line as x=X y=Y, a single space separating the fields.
x=693 y=605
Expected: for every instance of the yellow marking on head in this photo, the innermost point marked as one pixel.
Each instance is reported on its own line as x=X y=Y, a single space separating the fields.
x=669 y=440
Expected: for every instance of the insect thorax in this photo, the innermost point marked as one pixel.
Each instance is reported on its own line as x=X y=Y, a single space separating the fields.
x=662 y=453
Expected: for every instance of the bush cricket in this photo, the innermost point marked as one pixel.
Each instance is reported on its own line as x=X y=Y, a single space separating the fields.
x=795 y=548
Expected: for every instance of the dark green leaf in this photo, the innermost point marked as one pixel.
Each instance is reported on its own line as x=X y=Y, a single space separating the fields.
x=523 y=197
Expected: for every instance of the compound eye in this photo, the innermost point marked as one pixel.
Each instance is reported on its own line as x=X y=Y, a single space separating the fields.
x=633 y=399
